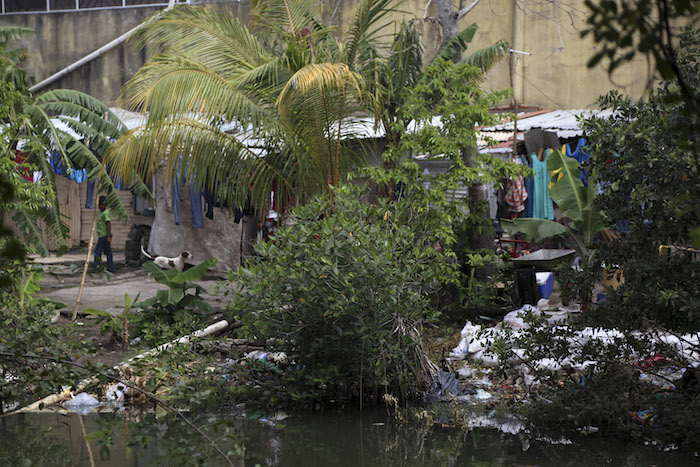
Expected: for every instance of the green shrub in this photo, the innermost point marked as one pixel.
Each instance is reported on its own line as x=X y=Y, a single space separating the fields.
x=646 y=156
x=344 y=290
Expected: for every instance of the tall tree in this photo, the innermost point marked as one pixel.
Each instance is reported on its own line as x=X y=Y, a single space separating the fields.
x=285 y=87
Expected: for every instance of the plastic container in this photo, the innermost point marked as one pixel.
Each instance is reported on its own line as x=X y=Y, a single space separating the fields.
x=545 y=283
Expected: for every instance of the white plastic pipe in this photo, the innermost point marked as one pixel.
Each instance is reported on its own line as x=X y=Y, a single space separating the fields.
x=91 y=56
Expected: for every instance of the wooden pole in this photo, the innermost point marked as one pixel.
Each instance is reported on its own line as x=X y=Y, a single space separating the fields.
x=87 y=264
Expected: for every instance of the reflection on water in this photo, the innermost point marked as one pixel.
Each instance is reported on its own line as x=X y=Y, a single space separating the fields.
x=338 y=439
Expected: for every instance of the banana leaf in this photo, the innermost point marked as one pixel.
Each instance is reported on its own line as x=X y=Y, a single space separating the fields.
x=457 y=44
x=535 y=230
x=568 y=192
x=194 y=273
x=576 y=202
x=162 y=276
x=170 y=296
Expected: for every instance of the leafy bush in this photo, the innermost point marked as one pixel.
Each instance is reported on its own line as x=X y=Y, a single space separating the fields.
x=646 y=157
x=31 y=350
x=344 y=290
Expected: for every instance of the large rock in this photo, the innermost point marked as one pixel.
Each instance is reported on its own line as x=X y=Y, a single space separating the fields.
x=220 y=238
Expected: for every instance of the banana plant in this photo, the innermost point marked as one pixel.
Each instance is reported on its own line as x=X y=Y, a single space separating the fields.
x=576 y=202
x=176 y=296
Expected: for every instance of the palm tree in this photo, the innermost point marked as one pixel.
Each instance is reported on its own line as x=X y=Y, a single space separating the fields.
x=28 y=123
x=286 y=84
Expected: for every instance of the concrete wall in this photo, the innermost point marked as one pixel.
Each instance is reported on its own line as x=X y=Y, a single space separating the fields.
x=554 y=76
x=63 y=38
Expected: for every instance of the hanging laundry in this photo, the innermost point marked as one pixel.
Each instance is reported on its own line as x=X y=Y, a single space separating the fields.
x=79 y=175
x=196 y=205
x=90 y=195
x=209 y=200
x=195 y=196
x=20 y=159
x=516 y=194
x=542 y=207
x=529 y=187
x=177 y=188
x=56 y=163
x=582 y=156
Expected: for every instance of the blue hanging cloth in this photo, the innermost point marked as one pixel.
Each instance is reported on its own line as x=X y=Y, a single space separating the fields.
x=196 y=205
x=90 y=195
x=177 y=188
x=195 y=196
x=582 y=157
x=56 y=163
x=79 y=175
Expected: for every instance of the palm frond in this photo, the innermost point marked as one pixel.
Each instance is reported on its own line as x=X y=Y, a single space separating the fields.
x=31 y=232
x=289 y=18
x=486 y=58
x=9 y=33
x=325 y=77
x=173 y=86
x=457 y=44
x=219 y=41
x=406 y=59
x=367 y=15
x=202 y=154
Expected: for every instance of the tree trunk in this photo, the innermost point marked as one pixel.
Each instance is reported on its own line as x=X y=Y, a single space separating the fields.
x=448 y=17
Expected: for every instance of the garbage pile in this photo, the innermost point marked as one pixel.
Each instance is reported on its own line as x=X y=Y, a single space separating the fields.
x=477 y=343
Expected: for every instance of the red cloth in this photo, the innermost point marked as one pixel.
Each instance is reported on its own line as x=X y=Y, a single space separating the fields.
x=26 y=172
x=516 y=194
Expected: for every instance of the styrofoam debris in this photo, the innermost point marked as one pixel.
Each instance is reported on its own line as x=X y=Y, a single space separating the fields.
x=83 y=403
x=506 y=424
x=115 y=392
x=466 y=372
x=476 y=342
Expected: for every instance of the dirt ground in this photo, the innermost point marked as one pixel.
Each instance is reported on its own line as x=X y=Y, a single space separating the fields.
x=104 y=291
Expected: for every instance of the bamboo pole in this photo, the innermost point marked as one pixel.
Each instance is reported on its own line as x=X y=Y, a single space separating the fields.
x=87 y=264
x=66 y=393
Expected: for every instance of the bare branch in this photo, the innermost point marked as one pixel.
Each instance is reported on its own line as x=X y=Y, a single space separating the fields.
x=463 y=12
x=425 y=13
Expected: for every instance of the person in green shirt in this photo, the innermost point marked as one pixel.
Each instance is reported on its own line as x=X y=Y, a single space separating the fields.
x=104 y=234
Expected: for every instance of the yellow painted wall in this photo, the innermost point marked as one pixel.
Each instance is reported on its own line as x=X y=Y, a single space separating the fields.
x=555 y=76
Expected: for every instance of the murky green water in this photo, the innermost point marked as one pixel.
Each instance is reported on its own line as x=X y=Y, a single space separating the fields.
x=337 y=439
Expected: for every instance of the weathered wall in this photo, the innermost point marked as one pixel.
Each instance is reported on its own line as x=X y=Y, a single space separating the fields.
x=220 y=238
x=63 y=38
x=554 y=76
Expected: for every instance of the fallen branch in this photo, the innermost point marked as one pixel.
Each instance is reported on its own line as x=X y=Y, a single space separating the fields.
x=65 y=394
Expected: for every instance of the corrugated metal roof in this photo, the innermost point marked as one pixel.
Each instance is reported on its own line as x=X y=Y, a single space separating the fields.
x=556 y=120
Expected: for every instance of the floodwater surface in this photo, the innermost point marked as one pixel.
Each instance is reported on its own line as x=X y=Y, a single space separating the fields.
x=332 y=439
